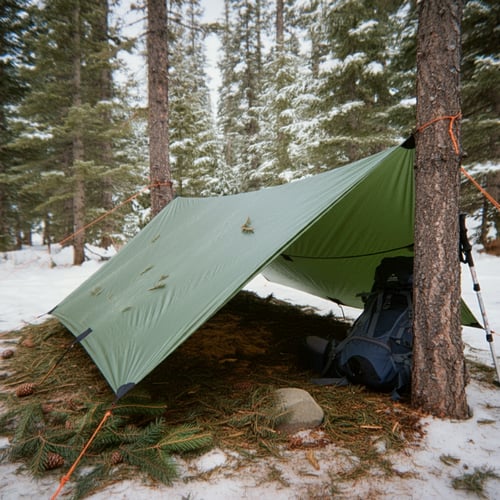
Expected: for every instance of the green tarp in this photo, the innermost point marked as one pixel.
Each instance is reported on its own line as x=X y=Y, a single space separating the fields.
x=324 y=235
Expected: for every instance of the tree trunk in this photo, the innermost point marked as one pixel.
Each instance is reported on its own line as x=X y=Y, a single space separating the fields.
x=105 y=94
x=78 y=150
x=439 y=372
x=280 y=38
x=159 y=165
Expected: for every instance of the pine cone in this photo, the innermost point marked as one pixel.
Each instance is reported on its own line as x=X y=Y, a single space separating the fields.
x=8 y=353
x=116 y=458
x=25 y=390
x=54 y=460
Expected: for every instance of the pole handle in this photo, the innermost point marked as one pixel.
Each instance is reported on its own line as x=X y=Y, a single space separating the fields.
x=465 y=251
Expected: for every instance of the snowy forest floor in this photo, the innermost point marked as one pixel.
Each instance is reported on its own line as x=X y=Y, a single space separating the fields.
x=369 y=446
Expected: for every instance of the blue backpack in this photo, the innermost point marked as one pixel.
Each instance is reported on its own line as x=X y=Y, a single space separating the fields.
x=377 y=351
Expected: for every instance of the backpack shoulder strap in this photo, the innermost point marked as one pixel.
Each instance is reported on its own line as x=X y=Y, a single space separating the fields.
x=377 y=309
x=399 y=333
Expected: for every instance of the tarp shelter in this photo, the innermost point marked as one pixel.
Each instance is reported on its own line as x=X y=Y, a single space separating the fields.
x=325 y=235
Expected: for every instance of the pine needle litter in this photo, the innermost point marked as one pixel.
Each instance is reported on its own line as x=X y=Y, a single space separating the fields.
x=214 y=390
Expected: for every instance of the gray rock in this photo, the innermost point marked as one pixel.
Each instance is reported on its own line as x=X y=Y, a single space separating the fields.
x=300 y=410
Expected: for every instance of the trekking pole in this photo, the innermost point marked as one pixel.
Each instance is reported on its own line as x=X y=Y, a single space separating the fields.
x=466 y=258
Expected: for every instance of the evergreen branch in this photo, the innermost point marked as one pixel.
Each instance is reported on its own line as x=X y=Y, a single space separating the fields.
x=60 y=436
x=129 y=434
x=57 y=418
x=78 y=440
x=137 y=406
x=91 y=481
x=107 y=438
x=70 y=453
x=37 y=464
x=150 y=435
x=185 y=439
x=23 y=449
x=31 y=420
x=93 y=414
x=158 y=465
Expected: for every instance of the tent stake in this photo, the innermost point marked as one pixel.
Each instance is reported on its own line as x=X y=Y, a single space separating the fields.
x=466 y=258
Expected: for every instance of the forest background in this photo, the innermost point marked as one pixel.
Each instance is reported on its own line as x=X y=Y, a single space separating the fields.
x=305 y=86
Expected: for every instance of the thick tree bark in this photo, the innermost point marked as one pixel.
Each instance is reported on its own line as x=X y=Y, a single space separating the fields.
x=78 y=151
x=439 y=372
x=157 y=48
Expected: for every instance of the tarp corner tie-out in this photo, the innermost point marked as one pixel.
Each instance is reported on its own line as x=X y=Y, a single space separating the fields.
x=82 y=335
x=123 y=389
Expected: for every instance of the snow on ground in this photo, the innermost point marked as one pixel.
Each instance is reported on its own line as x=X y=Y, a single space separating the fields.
x=30 y=286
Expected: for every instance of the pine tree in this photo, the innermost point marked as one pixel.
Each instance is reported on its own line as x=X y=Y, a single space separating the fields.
x=242 y=71
x=157 y=55
x=481 y=108
x=402 y=71
x=13 y=24
x=119 y=164
x=355 y=97
x=104 y=95
x=45 y=142
x=481 y=104
x=68 y=126
x=481 y=80
x=193 y=146
x=439 y=373
x=309 y=22
x=228 y=98
x=78 y=153
x=280 y=122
